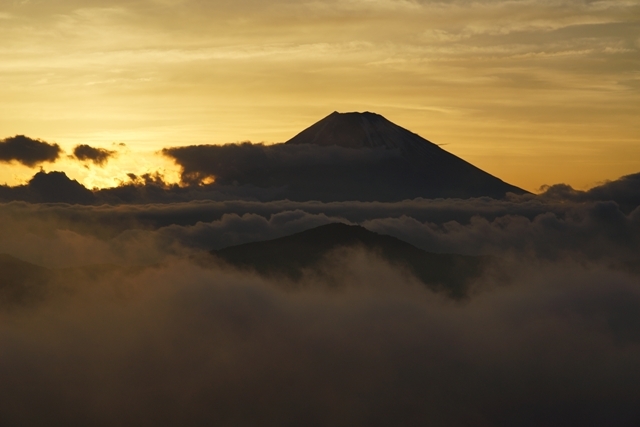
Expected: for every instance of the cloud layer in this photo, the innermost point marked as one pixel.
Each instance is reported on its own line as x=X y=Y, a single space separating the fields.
x=182 y=344
x=135 y=323
x=546 y=226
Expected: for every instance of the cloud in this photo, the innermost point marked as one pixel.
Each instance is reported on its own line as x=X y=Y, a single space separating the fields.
x=336 y=173
x=181 y=344
x=299 y=172
x=545 y=227
x=625 y=191
x=98 y=156
x=597 y=233
x=29 y=152
x=137 y=326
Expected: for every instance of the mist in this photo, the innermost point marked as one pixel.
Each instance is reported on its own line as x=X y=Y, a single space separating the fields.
x=116 y=307
x=554 y=344
x=129 y=320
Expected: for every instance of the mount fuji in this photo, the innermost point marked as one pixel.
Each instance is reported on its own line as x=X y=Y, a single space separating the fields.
x=423 y=168
x=345 y=156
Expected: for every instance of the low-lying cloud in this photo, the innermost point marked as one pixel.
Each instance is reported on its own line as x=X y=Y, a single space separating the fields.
x=27 y=151
x=151 y=188
x=625 y=191
x=300 y=172
x=180 y=344
x=137 y=324
x=597 y=232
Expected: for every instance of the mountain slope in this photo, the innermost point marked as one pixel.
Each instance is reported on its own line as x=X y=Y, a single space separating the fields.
x=23 y=284
x=289 y=256
x=425 y=169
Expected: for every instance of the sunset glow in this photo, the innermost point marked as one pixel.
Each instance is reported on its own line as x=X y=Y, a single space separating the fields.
x=534 y=92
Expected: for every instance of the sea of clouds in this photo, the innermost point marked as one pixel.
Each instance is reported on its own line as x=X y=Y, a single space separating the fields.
x=136 y=326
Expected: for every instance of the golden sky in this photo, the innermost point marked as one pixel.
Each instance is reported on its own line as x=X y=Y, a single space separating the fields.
x=535 y=91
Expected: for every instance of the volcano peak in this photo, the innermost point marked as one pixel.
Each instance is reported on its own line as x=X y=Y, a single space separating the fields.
x=427 y=169
x=355 y=130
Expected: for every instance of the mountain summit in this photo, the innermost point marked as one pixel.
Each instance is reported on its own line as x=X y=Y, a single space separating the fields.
x=358 y=130
x=427 y=169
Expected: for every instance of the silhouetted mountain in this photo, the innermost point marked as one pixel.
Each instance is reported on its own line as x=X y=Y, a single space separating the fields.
x=57 y=187
x=426 y=170
x=343 y=157
x=51 y=187
x=289 y=256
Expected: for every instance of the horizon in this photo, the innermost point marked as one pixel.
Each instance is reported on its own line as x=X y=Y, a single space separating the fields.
x=91 y=173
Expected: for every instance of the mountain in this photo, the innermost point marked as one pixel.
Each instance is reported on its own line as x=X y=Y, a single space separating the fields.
x=289 y=256
x=49 y=187
x=423 y=170
x=23 y=284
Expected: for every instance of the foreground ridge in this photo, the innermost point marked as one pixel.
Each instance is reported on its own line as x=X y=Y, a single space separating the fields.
x=291 y=255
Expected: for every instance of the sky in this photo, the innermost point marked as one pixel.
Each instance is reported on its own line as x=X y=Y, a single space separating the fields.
x=534 y=92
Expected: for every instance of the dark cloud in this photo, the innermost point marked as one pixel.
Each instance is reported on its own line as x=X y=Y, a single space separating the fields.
x=333 y=173
x=297 y=172
x=29 y=152
x=98 y=156
x=267 y=166
x=625 y=191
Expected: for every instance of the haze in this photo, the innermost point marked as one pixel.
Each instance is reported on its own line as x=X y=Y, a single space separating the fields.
x=535 y=92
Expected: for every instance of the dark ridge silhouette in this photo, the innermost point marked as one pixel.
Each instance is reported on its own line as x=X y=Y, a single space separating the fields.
x=49 y=187
x=289 y=256
x=56 y=187
x=24 y=284
x=21 y=283
x=432 y=171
